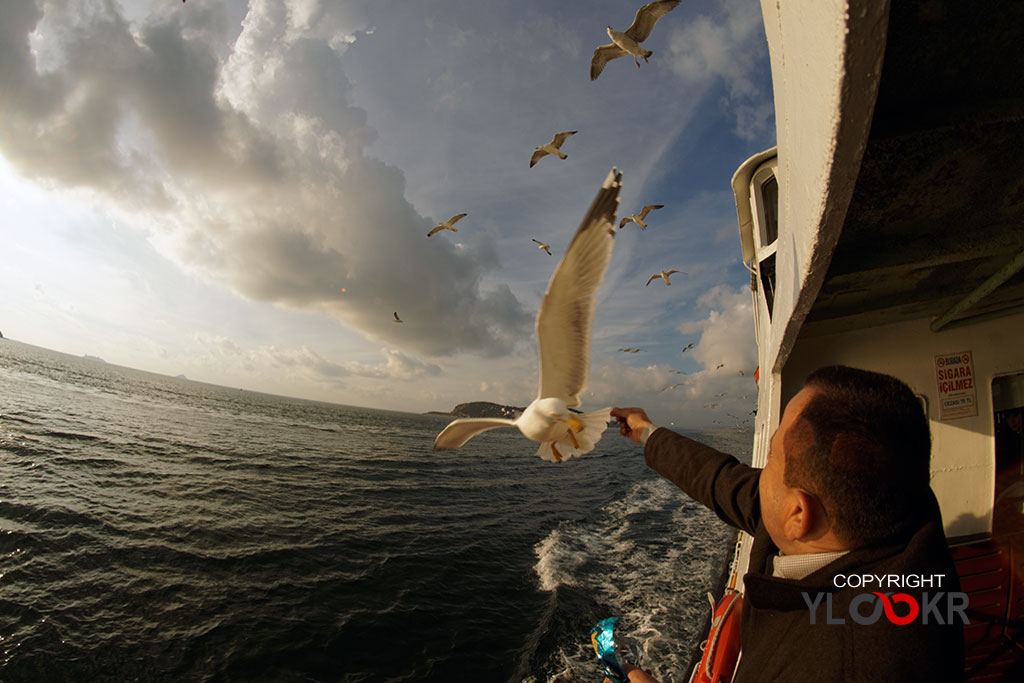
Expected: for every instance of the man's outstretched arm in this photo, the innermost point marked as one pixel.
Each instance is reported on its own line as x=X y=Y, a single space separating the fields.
x=715 y=479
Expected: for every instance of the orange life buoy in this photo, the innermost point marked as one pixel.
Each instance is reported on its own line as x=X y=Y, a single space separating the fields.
x=722 y=648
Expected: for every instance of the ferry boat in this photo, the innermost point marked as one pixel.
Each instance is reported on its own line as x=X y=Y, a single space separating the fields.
x=886 y=231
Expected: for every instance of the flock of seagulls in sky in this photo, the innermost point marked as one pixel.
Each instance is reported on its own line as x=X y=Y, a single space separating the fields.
x=565 y=318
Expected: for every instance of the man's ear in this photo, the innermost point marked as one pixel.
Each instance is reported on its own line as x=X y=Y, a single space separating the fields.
x=802 y=514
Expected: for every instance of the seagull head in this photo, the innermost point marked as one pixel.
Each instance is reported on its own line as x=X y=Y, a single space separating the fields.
x=609 y=29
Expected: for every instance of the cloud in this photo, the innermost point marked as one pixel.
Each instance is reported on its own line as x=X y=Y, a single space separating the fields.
x=304 y=363
x=247 y=165
x=705 y=396
x=692 y=327
x=397 y=365
x=728 y=48
x=727 y=332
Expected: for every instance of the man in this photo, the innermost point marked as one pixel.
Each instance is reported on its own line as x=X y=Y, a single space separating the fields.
x=844 y=493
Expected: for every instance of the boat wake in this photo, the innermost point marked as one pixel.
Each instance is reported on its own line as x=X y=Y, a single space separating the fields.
x=649 y=559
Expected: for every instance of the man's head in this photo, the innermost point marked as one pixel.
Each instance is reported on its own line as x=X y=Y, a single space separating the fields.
x=849 y=463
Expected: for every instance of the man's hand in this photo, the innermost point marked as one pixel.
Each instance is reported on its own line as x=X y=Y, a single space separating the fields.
x=632 y=421
x=636 y=674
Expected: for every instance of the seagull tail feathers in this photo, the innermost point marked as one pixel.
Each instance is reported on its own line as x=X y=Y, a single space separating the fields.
x=594 y=425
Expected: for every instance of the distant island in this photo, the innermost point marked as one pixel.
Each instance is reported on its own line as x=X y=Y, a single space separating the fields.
x=95 y=359
x=480 y=409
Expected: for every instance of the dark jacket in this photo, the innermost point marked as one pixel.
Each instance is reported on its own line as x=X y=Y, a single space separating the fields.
x=779 y=642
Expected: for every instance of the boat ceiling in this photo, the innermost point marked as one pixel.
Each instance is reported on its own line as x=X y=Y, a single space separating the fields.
x=938 y=205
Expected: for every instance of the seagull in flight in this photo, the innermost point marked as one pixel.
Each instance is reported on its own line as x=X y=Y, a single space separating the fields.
x=663 y=275
x=687 y=347
x=397 y=319
x=545 y=247
x=553 y=147
x=563 y=325
x=628 y=42
x=447 y=225
x=639 y=218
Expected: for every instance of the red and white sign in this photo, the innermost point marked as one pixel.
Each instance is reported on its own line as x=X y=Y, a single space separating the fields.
x=954 y=377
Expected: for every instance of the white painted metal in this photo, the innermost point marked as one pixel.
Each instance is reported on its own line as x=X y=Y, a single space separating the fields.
x=826 y=66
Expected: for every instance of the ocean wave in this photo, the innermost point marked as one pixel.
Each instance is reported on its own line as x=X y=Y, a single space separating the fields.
x=210 y=534
x=648 y=559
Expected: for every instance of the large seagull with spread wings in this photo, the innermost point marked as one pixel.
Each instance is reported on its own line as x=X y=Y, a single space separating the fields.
x=564 y=324
x=628 y=42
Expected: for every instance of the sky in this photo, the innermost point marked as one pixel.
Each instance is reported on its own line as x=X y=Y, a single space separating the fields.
x=240 y=192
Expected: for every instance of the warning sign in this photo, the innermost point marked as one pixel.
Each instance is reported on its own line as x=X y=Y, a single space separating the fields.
x=954 y=376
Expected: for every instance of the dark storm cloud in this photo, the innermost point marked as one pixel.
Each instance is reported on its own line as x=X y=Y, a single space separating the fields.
x=245 y=159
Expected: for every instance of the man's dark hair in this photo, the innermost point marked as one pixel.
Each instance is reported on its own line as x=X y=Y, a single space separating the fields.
x=862 y=446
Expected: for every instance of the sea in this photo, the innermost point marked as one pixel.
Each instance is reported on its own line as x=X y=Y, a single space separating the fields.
x=160 y=529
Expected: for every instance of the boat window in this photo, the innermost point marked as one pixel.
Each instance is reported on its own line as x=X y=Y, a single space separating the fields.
x=770 y=216
x=766 y=269
x=764 y=202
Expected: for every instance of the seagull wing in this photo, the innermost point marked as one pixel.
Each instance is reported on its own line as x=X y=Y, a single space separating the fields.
x=602 y=56
x=434 y=231
x=622 y=223
x=561 y=137
x=463 y=429
x=538 y=154
x=653 y=278
x=647 y=209
x=647 y=16
x=456 y=218
x=567 y=313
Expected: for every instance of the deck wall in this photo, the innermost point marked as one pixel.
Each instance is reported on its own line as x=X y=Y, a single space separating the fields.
x=963 y=450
